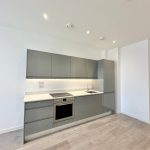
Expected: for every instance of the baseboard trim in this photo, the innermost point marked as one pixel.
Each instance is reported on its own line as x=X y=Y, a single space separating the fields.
x=130 y=115
x=56 y=129
x=11 y=129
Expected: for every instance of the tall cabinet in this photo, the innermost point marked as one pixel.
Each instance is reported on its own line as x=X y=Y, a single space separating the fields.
x=106 y=72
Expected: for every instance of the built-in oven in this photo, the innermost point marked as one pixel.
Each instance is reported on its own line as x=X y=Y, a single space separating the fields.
x=63 y=111
x=63 y=108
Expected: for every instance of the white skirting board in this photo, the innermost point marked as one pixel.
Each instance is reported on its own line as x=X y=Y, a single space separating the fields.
x=43 y=133
x=135 y=117
x=11 y=129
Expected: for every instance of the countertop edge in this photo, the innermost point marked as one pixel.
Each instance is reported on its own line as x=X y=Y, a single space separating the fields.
x=51 y=99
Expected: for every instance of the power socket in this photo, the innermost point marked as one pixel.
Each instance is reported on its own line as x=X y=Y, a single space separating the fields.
x=41 y=84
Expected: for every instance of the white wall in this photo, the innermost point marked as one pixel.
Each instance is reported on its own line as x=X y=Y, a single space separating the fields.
x=13 y=67
x=134 y=71
x=132 y=79
x=149 y=72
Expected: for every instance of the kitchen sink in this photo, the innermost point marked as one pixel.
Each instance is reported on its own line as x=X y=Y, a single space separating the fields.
x=91 y=92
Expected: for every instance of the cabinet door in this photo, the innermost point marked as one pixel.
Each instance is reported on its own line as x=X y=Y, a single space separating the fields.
x=38 y=64
x=91 y=69
x=38 y=117
x=78 y=68
x=106 y=71
x=109 y=101
x=38 y=104
x=61 y=66
x=88 y=106
x=60 y=123
x=38 y=126
x=109 y=76
x=37 y=114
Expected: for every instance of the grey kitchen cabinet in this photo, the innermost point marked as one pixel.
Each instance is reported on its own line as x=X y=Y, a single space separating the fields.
x=106 y=71
x=51 y=66
x=37 y=126
x=109 y=101
x=38 y=114
x=88 y=106
x=38 y=64
x=61 y=66
x=38 y=117
x=78 y=67
x=38 y=104
x=64 y=122
x=91 y=68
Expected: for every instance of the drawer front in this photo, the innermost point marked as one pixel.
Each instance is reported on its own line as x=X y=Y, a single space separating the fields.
x=31 y=105
x=38 y=114
x=38 y=126
x=57 y=124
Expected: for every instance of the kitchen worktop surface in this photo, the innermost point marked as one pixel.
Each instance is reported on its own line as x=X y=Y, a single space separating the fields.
x=40 y=96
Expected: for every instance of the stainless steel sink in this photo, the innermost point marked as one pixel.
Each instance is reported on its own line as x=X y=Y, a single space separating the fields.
x=91 y=92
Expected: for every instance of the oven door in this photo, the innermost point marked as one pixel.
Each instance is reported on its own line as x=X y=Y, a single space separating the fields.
x=63 y=111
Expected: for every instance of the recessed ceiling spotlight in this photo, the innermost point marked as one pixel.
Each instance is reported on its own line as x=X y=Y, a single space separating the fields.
x=45 y=16
x=87 y=32
x=102 y=38
x=114 y=42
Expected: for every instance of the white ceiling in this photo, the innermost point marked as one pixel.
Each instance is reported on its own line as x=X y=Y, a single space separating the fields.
x=125 y=21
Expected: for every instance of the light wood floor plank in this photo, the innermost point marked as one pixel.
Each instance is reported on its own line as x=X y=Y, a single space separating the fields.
x=115 y=132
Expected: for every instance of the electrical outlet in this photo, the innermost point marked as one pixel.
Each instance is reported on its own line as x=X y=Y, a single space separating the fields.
x=41 y=84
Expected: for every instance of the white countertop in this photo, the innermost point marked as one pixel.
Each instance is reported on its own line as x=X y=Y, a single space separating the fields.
x=83 y=93
x=32 y=97
x=37 y=97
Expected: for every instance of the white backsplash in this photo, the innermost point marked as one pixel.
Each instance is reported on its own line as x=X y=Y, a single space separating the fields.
x=97 y=84
x=40 y=85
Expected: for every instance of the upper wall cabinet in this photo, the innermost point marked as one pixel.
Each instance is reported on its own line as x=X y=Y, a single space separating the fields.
x=61 y=66
x=51 y=66
x=38 y=64
x=91 y=66
x=78 y=68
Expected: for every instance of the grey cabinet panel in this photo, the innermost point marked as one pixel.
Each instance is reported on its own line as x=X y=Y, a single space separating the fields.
x=38 y=114
x=88 y=106
x=91 y=66
x=38 y=126
x=109 y=75
x=38 y=64
x=31 y=105
x=109 y=101
x=78 y=68
x=57 y=124
x=106 y=71
x=61 y=66
x=48 y=65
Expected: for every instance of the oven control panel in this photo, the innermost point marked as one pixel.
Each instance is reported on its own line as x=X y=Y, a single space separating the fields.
x=63 y=100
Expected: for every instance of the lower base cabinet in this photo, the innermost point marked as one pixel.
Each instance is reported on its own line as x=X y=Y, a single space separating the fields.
x=60 y=123
x=109 y=101
x=39 y=116
x=38 y=126
x=87 y=106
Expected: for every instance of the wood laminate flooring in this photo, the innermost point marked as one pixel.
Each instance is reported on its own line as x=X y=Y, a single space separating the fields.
x=115 y=132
